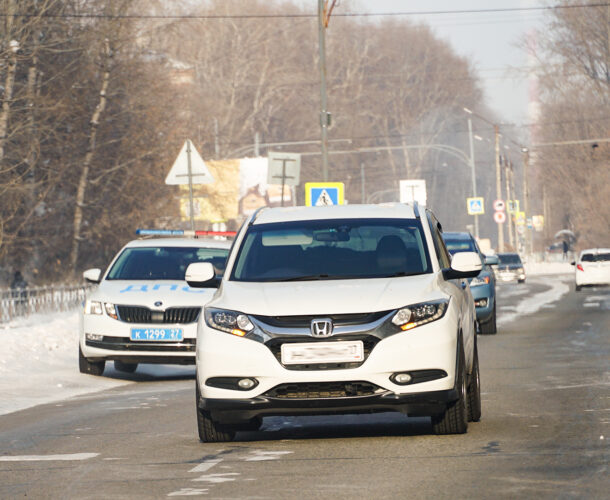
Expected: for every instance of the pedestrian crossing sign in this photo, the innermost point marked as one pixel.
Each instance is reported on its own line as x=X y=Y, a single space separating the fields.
x=319 y=194
x=476 y=206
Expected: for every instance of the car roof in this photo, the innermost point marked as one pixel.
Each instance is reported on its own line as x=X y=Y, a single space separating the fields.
x=380 y=211
x=179 y=242
x=596 y=250
x=457 y=235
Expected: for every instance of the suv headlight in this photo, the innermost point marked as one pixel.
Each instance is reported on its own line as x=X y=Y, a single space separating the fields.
x=477 y=281
x=415 y=315
x=232 y=322
x=93 y=307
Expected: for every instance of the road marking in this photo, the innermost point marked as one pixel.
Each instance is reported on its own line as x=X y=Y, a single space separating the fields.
x=205 y=466
x=591 y=304
x=188 y=492
x=260 y=455
x=37 y=458
x=218 y=478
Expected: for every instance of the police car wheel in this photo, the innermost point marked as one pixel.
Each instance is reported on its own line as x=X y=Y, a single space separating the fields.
x=89 y=367
x=124 y=367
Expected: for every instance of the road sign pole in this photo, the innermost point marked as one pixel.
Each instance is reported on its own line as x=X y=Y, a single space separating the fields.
x=283 y=178
x=190 y=174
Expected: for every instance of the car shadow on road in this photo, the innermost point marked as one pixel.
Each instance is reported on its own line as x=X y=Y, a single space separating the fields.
x=151 y=373
x=391 y=424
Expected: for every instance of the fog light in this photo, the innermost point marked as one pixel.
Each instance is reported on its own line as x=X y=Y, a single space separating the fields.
x=94 y=336
x=401 y=378
x=246 y=383
x=480 y=303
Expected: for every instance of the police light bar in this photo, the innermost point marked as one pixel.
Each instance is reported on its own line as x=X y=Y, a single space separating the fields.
x=182 y=232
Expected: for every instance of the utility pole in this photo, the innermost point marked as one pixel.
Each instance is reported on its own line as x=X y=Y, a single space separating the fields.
x=474 y=177
x=499 y=187
x=526 y=207
x=323 y=19
x=362 y=190
x=508 y=169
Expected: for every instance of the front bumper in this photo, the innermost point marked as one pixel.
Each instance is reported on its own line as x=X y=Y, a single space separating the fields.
x=510 y=276
x=115 y=342
x=232 y=411
x=484 y=300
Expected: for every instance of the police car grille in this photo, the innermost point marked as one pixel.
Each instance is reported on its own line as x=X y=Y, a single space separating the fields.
x=322 y=390
x=135 y=314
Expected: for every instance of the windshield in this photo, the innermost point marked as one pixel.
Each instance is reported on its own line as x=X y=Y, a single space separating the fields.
x=332 y=249
x=455 y=246
x=164 y=263
x=509 y=258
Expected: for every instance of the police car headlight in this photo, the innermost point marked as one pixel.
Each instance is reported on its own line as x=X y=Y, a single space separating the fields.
x=93 y=307
x=416 y=315
x=232 y=322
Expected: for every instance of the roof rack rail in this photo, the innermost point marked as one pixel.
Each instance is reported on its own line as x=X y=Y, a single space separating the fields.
x=255 y=215
x=416 y=209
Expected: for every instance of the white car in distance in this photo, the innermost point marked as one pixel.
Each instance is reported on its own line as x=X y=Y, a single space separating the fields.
x=341 y=309
x=142 y=310
x=592 y=268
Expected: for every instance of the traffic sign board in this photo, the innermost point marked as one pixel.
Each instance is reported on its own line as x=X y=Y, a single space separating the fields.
x=476 y=206
x=499 y=206
x=512 y=206
x=500 y=217
x=179 y=173
x=319 y=194
x=284 y=168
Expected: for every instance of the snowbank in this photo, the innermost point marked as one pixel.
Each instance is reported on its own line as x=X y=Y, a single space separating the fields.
x=533 y=268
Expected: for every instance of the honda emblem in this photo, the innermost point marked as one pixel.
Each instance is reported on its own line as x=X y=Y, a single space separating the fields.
x=322 y=327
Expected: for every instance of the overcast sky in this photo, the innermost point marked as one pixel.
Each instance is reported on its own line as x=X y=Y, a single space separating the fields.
x=490 y=40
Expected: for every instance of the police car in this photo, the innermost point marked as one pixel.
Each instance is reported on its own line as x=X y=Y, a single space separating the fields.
x=143 y=311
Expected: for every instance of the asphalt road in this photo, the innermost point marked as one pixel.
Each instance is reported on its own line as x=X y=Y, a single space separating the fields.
x=544 y=431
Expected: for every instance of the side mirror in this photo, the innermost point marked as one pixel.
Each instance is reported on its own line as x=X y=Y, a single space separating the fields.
x=201 y=275
x=491 y=260
x=464 y=265
x=93 y=275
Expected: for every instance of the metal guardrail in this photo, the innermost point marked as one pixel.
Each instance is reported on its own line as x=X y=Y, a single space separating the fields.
x=23 y=302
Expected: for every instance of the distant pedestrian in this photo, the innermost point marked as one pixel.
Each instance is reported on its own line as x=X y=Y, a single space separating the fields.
x=20 y=293
x=566 y=247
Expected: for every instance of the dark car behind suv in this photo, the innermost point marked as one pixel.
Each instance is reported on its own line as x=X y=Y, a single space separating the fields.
x=483 y=286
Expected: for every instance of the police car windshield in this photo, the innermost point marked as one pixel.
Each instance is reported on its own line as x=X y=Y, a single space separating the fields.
x=509 y=258
x=164 y=263
x=332 y=249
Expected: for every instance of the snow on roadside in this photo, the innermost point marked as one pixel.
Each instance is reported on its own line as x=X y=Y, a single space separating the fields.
x=534 y=268
x=39 y=362
x=532 y=303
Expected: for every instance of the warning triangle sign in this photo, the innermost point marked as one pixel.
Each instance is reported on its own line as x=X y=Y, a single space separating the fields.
x=179 y=173
x=324 y=199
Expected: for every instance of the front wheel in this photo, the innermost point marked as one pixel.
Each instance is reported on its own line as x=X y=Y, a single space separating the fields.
x=90 y=367
x=209 y=431
x=454 y=420
x=578 y=288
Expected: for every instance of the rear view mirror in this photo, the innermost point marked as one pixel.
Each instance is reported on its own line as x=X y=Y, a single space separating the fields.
x=200 y=275
x=491 y=260
x=92 y=275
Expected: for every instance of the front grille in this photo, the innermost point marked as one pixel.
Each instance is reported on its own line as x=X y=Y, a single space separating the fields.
x=323 y=390
x=305 y=320
x=126 y=344
x=275 y=346
x=136 y=314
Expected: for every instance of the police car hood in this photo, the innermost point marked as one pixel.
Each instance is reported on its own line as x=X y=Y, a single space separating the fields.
x=327 y=296
x=150 y=293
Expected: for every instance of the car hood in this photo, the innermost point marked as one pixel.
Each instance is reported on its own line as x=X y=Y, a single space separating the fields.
x=327 y=297
x=150 y=293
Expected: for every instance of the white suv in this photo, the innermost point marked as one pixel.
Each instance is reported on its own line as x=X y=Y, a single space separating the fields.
x=341 y=309
x=143 y=311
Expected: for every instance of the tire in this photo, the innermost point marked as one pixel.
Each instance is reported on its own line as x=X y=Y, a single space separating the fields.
x=489 y=327
x=520 y=281
x=121 y=366
x=474 y=390
x=454 y=420
x=210 y=431
x=578 y=288
x=89 y=367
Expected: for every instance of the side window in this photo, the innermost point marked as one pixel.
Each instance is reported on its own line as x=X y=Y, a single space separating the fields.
x=444 y=258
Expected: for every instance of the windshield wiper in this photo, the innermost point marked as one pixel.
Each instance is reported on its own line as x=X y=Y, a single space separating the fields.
x=310 y=277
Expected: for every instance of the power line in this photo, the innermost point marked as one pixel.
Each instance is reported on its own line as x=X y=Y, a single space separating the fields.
x=187 y=17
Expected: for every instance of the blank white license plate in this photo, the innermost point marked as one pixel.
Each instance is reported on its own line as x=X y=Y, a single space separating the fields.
x=322 y=352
